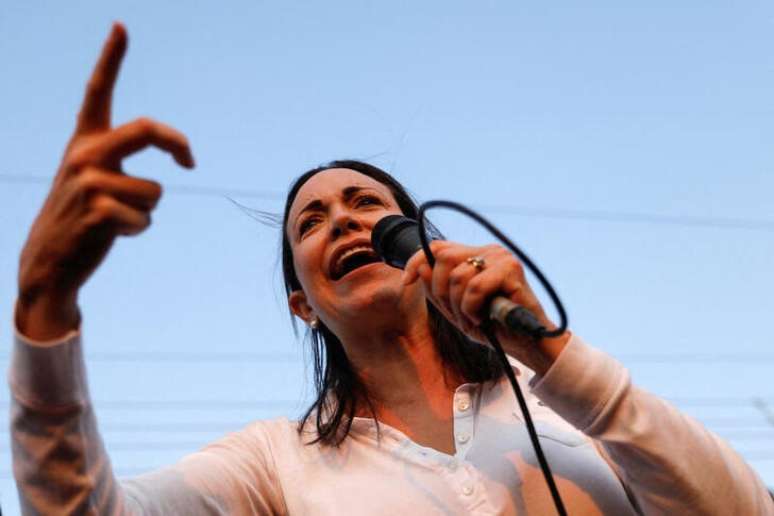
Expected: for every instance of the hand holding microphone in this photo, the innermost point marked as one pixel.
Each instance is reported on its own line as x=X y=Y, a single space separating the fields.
x=468 y=284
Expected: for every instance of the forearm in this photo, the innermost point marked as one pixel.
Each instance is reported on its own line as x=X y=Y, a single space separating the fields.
x=675 y=465
x=671 y=463
x=60 y=464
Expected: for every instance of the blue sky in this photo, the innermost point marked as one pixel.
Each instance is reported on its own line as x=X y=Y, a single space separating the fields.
x=628 y=149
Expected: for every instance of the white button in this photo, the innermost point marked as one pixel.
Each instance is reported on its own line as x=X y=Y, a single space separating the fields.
x=453 y=465
x=467 y=490
x=463 y=405
x=541 y=404
x=463 y=438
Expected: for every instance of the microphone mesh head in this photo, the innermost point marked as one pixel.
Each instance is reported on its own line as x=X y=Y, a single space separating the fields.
x=395 y=238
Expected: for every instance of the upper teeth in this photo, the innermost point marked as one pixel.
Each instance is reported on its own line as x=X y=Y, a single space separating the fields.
x=349 y=252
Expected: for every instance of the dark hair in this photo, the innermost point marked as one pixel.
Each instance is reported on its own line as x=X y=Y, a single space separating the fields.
x=339 y=392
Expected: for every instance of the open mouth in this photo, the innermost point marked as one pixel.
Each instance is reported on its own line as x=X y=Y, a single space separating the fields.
x=353 y=259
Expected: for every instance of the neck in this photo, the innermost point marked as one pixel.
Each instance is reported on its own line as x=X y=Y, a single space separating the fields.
x=402 y=370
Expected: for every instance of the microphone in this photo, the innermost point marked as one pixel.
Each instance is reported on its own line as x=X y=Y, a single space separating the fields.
x=395 y=239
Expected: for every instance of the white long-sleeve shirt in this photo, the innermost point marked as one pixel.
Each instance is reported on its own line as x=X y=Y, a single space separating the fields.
x=613 y=448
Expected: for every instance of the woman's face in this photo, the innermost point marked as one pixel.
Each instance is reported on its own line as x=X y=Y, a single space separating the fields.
x=329 y=229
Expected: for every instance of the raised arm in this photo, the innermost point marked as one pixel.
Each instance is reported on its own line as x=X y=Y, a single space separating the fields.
x=60 y=464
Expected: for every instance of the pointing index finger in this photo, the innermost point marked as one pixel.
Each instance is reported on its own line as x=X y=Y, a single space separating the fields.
x=95 y=111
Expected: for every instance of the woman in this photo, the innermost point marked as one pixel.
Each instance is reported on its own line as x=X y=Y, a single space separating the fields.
x=400 y=349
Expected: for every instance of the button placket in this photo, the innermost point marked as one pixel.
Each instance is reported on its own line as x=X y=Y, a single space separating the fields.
x=464 y=417
x=462 y=402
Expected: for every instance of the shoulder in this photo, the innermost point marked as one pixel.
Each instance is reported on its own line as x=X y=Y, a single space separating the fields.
x=257 y=435
x=279 y=427
x=281 y=438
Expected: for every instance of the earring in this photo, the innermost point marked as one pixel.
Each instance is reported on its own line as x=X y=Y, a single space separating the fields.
x=314 y=323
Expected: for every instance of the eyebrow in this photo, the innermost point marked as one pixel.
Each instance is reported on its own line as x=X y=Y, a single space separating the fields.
x=317 y=204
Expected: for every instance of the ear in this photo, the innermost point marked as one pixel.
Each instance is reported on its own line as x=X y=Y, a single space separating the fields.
x=300 y=307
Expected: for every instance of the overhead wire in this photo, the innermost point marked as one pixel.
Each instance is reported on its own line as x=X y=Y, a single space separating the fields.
x=244 y=357
x=185 y=404
x=728 y=223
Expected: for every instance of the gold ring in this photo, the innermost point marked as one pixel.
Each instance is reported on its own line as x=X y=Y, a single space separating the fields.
x=477 y=262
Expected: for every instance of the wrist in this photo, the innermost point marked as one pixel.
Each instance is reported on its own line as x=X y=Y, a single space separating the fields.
x=43 y=314
x=538 y=355
x=551 y=347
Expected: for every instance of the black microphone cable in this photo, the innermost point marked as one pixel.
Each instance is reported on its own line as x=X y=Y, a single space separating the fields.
x=526 y=326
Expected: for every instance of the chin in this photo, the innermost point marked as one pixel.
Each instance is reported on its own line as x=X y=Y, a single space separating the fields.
x=376 y=292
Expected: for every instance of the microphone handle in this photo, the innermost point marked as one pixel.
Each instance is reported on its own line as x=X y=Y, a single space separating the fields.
x=515 y=317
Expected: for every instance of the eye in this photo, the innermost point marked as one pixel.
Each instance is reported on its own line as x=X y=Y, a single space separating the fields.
x=307 y=224
x=367 y=200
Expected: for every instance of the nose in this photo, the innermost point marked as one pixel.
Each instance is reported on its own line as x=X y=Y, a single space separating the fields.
x=342 y=222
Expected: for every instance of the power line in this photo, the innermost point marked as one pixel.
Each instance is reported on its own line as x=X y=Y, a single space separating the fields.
x=207 y=427
x=190 y=404
x=145 y=404
x=756 y=454
x=235 y=357
x=175 y=427
x=714 y=402
x=735 y=423
x=768 y=435
x=727 y=223
x=208 y=191
x=239 y=357
x=704 y=358
x=764 y=408
x=634 y=217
